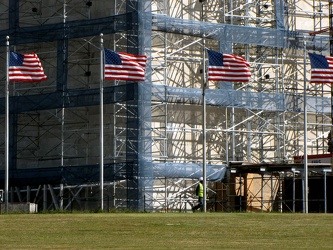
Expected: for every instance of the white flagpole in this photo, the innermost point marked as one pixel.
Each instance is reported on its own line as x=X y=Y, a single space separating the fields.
x=305 y=172
x=101 y=90
x=204 y=85
x=7 y=127
x=204 y=164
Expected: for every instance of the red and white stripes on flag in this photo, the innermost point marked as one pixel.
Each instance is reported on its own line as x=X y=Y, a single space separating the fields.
x=25 y=68
x=227 y=67
x=321 y=68
x=124 y=66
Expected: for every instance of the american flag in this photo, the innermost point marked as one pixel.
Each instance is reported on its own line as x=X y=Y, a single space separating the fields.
x=227 y=67
x=321 y=68
x=25 y=68
x=124 y=66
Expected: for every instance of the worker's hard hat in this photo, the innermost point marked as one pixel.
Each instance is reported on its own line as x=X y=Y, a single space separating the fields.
x=201 y=179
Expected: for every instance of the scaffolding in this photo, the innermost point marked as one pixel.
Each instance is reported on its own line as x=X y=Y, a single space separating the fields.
x=153 y=129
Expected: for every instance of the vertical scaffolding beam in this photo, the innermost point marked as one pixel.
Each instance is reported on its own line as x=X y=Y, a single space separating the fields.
x=13 y=17
x=132 y=123
x=44 y=197
x=262 y=191
x=325 y=192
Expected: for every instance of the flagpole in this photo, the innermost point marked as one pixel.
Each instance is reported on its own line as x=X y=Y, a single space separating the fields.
x=204 y=85
x=7 y=126
x=331 y=54
x=305 y=160
x=101 y=90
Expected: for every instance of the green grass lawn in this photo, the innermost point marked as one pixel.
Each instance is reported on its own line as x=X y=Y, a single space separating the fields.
x=166 y=231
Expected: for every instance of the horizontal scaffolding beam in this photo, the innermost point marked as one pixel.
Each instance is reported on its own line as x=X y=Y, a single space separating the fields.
x=72 y=99
x=241 y=99
x=73 y=29
x=229 y=33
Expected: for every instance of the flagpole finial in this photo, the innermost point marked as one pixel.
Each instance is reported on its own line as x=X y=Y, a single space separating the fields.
x=102 y=40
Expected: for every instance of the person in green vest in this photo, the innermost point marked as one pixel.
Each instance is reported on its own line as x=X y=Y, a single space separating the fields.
x=199 y=191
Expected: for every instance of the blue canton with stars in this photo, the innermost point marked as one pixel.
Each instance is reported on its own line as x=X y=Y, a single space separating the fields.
x=215 y=58
x=16 y=59
x=112 y=57
x=318 y=61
